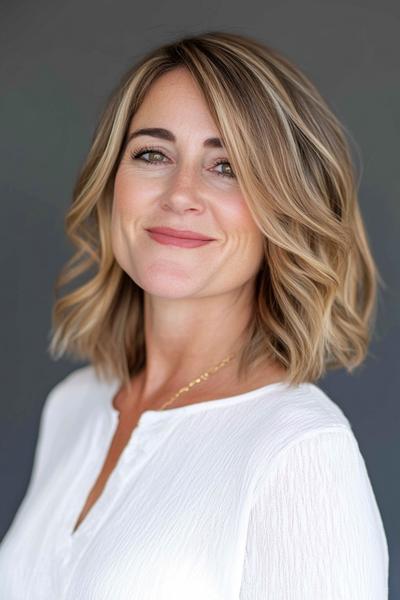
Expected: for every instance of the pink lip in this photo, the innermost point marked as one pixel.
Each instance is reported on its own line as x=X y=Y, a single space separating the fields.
x=179 y=233
x=177 y=241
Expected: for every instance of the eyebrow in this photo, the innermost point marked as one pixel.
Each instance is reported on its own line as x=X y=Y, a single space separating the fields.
x=165 y=134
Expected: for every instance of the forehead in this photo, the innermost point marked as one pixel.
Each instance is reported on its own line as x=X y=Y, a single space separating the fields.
x=174 y=84
x=176 y=102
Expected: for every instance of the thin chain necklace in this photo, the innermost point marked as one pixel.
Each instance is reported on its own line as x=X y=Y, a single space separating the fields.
x=202 y=377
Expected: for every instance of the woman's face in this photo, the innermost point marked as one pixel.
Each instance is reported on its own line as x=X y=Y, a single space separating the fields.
x=177 y=182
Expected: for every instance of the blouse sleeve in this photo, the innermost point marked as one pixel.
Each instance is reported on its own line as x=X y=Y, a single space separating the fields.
x=315 y=531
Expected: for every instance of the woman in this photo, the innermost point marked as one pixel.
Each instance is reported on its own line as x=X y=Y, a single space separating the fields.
x=195 y=456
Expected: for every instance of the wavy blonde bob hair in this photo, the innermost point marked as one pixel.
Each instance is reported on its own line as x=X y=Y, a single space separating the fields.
x=315 y=294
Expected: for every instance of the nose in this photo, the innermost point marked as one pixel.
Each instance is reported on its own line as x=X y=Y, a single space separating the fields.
x=184 y=191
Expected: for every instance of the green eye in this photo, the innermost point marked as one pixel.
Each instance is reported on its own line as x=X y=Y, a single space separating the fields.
x=225 y=162
x=138 y=155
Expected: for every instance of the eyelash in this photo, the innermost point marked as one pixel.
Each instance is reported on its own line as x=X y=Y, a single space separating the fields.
x=136 y=156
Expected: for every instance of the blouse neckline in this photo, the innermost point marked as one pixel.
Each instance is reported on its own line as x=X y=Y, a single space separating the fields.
x=166 y=413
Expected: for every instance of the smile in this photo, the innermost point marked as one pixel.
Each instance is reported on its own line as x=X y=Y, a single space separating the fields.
x=169 y=240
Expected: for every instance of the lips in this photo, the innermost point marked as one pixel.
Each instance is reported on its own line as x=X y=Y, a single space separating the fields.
x=179 y=233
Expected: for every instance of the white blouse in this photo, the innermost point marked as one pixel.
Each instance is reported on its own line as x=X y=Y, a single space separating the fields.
x=260 y=496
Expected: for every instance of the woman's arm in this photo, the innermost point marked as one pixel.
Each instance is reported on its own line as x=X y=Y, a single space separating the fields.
x=315 y=531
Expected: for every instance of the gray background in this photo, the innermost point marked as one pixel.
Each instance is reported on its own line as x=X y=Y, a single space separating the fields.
x=59 y=62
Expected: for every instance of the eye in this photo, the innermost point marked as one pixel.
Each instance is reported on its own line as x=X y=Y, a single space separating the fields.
x=137 y=155
x=140 y=152
x=230 y=172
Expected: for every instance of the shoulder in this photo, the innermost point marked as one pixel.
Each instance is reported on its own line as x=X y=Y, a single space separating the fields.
x=287 y=414
x=315 y=517
x=62 y=417
x=76 y=379
x=312 y=441
x=281 y=418
x=314 y=452
x=74 y=399
x=308 y=407
x=68 y=391
x=69 y=409
x=314 y=457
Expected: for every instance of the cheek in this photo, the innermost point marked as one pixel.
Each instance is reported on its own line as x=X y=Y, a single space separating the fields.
x=239 y=221
x=243 y=253
x=255 y=239
x=127 y=195
x=124 y=214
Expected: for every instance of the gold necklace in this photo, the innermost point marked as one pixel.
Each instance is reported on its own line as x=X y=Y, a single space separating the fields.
x=202 y=377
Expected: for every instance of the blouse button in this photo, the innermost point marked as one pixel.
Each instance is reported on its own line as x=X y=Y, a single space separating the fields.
x=140 y=445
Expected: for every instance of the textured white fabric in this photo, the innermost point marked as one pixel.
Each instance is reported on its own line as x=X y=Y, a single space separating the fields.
x=314 y=530
x=260 y=496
